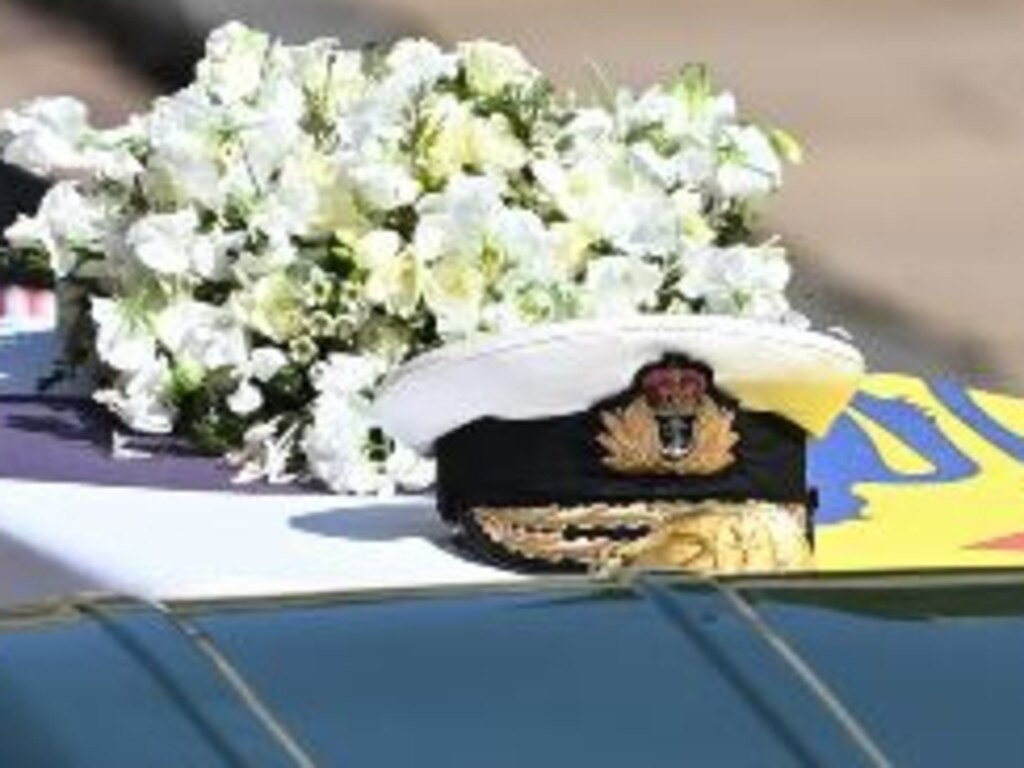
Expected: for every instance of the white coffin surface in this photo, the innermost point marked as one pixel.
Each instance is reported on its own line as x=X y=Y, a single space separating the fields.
x=61 y=538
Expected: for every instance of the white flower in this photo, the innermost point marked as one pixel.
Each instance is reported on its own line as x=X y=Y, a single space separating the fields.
x=52 y=137
x=455 y=221
x=463 y=236
x=694 y=228
x=347 y=374
x=751 y=167
x=234 y=64
x=416 y=64
x=687 y=113
x=270 y=131
x=385 y=186
x=609 y=199
x=124 y=339
x=203 y=335
x=336 y=448
x=524 y=244
x=293 y=203
x=588 y=192
x=571 y=243
x=334 y=77
x=246 y=398
x=620 y=285
x=187 y=136
x=65 y=223
x=493 y=146
x=45 y=135
x=655 y=108
x=691 y=165
x=739 y=280
x=643 y=225
x=337 y=443
x=263 y=364
x=408 y=470
x=139 y=398
x=491 y=67
x=377 y=247
x=169 y=243
x=265 y=453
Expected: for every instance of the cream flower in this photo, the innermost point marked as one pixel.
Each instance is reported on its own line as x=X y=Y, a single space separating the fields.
x=571 y=243
x=272 y=306
x=454 y=290
x=246 y=398
x=490 y=67
x=393 y=278
x=461 y=139
x=493 y=145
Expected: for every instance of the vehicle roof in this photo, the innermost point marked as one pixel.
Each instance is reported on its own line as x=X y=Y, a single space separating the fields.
x=646 y=669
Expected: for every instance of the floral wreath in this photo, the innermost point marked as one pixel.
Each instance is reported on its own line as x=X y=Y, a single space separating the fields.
x=249 y=258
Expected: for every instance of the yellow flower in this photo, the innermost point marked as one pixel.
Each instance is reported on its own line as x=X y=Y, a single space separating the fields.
x=572 y=242
x=695 y=227
x=273 y=306
x=393 y=274
x=454 y=291
x=460 y=139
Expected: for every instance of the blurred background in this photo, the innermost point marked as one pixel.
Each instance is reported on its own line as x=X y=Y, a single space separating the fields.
x=904 y=221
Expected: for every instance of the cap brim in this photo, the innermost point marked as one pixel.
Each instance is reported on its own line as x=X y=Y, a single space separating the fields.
x=567 y=367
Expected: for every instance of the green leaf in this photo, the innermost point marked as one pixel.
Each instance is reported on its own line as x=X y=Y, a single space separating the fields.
x=693 y=85
x=29 y=267
x=787 y=145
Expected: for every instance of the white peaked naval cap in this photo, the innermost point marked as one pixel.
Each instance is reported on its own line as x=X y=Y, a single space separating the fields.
x=564 y=368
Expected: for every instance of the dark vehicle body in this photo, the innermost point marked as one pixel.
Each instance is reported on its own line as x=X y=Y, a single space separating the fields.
x=645 y=671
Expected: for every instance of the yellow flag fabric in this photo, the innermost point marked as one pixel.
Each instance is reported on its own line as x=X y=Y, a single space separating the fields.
x=921 y=474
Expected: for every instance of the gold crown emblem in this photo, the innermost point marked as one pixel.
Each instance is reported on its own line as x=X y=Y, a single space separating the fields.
x=673 y=425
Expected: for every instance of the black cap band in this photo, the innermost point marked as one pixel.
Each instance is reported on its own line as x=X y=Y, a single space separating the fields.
x=561 y=460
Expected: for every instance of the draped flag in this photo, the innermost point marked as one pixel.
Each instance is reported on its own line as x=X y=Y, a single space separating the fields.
x=921 y=474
